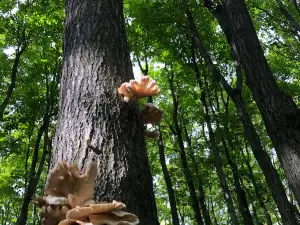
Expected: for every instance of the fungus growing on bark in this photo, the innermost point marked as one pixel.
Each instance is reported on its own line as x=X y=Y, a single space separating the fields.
x=102 y=213
x=51 y=200
x=150 y=114
x=145 y=87
x=53 y=209
x=67 y=181
x=68 y=200
x=135 y=89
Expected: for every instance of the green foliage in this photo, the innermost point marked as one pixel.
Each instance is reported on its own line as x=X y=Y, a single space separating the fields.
x=158 y=34
x=36 y=84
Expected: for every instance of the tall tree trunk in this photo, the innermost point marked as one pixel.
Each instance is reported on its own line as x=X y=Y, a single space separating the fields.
x=279 y=112
x=286 y=210
x=287 y=213
x=22 y=45
x=212 y=142
x=34 y=175
x=36 y=171
x=240 y=192
x=218 y=163
x=212 y=207
x=256 y=190
x=201 y=191
x=161 y=149
x=186 y=170
x=93 y=122
x=295 y=26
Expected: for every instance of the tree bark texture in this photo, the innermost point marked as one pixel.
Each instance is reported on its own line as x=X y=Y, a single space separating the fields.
x=279 y=112
x=94 y=124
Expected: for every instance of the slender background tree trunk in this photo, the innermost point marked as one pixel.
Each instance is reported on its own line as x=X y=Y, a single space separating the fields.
x=94 y=123
x=279 y=112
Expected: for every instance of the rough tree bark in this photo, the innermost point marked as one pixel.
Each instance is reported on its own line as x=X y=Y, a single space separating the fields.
x=94 y=123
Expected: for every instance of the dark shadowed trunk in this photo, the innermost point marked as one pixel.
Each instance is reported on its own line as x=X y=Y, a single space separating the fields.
x=212 y=206
x=279 y=112
x=240 y=192
x=285 y=208
x=35 y=168
x=161 y=149
x=34 y=173
x=94 y=123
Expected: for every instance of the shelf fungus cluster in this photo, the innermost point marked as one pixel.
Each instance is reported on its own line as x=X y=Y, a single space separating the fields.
x=144 y=87
x=135 y=89
x=68 y=200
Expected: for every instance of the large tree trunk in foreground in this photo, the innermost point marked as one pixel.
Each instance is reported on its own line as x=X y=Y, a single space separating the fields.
x=279 y=112
x=94 y=124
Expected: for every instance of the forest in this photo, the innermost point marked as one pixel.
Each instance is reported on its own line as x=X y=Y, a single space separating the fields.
x=227 y=148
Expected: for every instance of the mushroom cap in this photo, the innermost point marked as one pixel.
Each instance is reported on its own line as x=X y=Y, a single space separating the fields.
x=82 y=212
x=144 y=87
x=114 y=218
x=67 y=181
x=53 y=214
x=135 y=89
x=151 y=114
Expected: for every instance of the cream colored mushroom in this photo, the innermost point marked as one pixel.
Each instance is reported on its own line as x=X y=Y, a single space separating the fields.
x=135 y=89
x=53 y=214
x=67 y=181
x=102 y=213
x=81 y=212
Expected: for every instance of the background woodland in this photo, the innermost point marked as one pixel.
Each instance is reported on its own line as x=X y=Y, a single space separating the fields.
x=204 y=168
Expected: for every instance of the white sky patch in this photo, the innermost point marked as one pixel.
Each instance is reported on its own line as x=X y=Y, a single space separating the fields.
x=136 y=72
x=9 y=51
